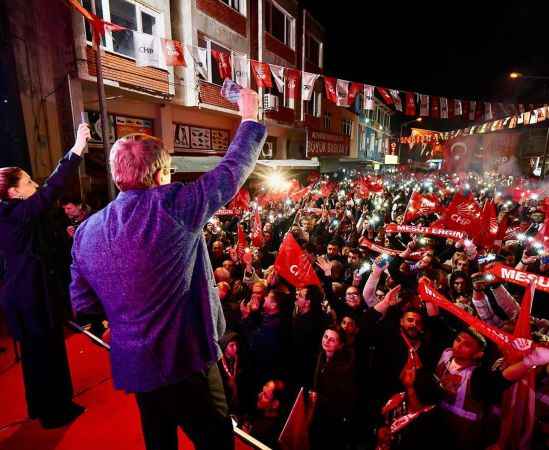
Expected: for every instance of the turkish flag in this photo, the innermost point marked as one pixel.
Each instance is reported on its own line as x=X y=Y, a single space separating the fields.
x=223 y=60
x=386 y=96
x=257 y=230
x=293 y=264
x=330 y=85
x=262 y=74
x=410 y=104
x=463 y=214
x=421 y=205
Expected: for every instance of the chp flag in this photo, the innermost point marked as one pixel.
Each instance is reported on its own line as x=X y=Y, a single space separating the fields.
x=262 y=74
x=147 y=50
x=307 y=85
x=293 y=264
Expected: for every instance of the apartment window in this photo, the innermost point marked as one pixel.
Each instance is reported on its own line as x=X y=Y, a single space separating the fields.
x=237 y=5
x=280 y=24
x=131 y=15
x=327 y=121
x=314 y=51
x=213 y=67
x=346 y=126
x=313 y=106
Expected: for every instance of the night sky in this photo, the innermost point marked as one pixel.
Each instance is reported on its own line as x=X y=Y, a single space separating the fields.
x=455 y=49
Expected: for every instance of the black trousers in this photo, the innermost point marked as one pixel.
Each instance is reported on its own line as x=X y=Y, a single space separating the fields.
x=48 y=387
x=197 y=404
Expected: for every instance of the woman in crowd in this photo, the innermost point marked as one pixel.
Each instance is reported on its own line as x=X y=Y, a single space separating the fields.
x=32 y=309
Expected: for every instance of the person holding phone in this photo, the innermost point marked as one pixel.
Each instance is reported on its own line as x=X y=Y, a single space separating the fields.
x=34 y=318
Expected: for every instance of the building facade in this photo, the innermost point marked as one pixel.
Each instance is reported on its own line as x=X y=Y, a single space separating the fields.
x=56 y=69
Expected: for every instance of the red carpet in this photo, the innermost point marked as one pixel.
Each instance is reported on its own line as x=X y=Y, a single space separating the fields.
x=111 y=420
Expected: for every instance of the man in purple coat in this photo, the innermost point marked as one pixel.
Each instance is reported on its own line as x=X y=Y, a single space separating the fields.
x=144 y=259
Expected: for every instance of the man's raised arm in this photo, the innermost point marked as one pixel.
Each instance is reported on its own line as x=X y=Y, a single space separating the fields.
x=197 y=202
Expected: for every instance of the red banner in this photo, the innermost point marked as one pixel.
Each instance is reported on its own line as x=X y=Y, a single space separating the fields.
x=439 y=232
x=363 y=242
x=511 y=275
x=428 y=293
x=224 y=63
x=388 y=99
x=410 y=104
x=262 y=74
x=321 y=144
x=330 y=85
x=173 y=52
x=228 y=212
x=291 y=77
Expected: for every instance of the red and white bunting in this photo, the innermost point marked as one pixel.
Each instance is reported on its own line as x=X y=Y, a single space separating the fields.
x=443 y=108
x=354 y=90
x=369 y=102
x=262 y=74
x=223 y=60
x=472 y=110
x=292 y=82
x=386 y=97
x=173 y=51
x=488 y=115
x=278 y=76
x=330 y=85
x=424 y=105
x=200 y=60
x=241 y=66
x=342 y=92
x=307 y=85
x=435 y=108
x=458 y=111
x=410 y=104
x=396 y=99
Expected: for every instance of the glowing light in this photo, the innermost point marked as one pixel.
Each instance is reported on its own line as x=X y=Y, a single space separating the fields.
x=489 y=277
x=276 y=182
x=521 y=237
x=366 y=267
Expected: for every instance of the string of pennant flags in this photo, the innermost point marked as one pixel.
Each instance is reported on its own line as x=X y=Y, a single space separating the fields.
x=158 y=52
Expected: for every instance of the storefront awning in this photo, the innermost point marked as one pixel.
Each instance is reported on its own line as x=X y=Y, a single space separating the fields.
x=196 y=164
x=200 y=164
x=289 y=163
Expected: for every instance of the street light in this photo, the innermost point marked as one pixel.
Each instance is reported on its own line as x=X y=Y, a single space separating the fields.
x=515 y=75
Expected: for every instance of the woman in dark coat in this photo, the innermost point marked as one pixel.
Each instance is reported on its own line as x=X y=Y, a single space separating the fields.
x=334 y=393
x=34 y=319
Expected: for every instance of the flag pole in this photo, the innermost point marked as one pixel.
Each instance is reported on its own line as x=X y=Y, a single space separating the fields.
x=105 y=125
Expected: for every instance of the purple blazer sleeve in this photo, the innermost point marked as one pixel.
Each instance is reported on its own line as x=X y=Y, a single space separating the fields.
x=83 y=297
x=195 y=203
x=52 y=189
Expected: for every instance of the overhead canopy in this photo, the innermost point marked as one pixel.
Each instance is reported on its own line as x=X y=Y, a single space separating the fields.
x=196 y=164
x=201 y=164
x=289 y=163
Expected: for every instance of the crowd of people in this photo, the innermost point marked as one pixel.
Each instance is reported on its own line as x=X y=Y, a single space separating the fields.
x=399 y=309
x=382 y=366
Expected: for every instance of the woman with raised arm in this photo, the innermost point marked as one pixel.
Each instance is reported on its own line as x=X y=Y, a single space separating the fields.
x=30 y=308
